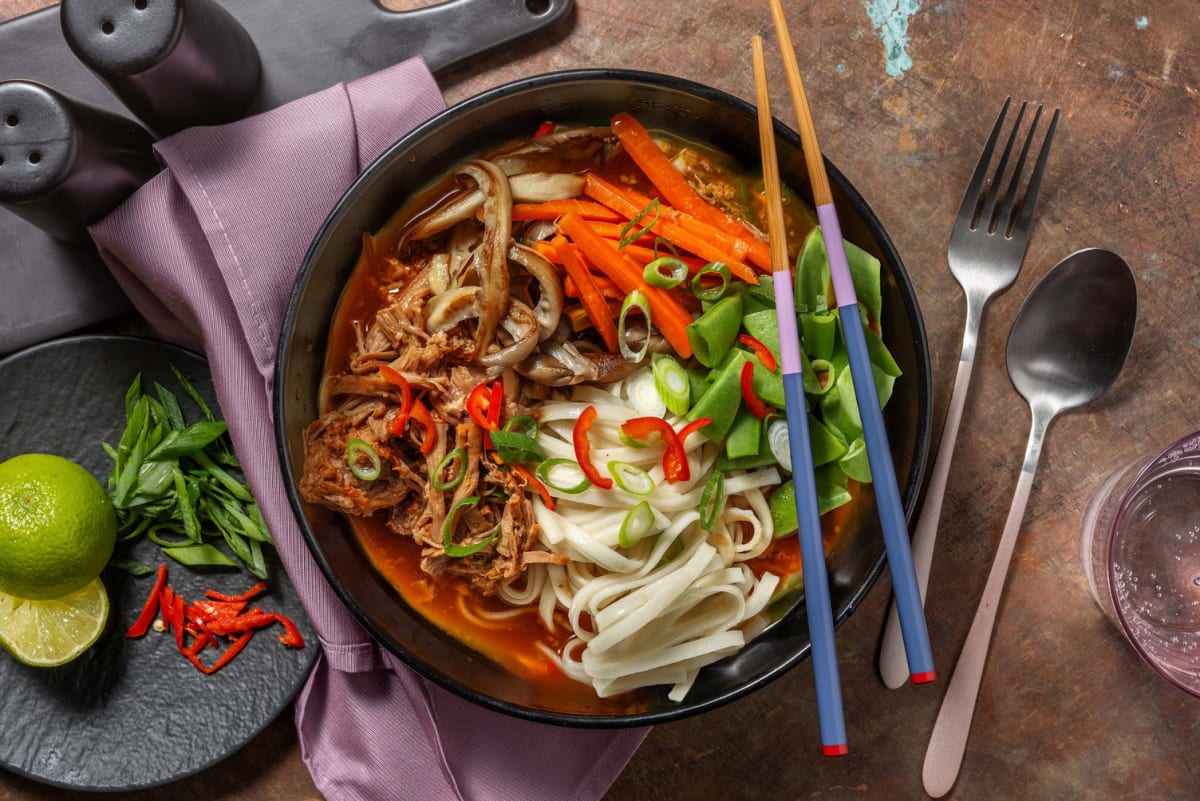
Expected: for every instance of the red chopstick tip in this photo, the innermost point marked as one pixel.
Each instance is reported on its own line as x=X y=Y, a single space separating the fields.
x=835 y=750
x=925 y=677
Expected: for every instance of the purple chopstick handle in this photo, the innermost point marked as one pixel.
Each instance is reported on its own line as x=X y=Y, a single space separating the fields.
x=785 y=315
x=839 y=268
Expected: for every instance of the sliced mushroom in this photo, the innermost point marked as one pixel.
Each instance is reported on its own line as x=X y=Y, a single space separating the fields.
x=491 y=256
x=550 y=304
x=448 y=309
x=522 y=328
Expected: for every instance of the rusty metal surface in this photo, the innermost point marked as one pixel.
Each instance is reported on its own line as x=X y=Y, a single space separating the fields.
x=1066 y=711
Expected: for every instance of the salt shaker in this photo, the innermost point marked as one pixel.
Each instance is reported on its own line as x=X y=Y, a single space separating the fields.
x=64 y=164
x=173 y=63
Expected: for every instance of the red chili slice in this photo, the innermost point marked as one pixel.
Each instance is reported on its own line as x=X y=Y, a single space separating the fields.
x=749 y=396
x=583 y=448
x=420 y=414
x=257 y=589
x=760 y=350
x=533 y=481
x=226 y=656
x=478 y=403
x=395 y=378
x=150 y=609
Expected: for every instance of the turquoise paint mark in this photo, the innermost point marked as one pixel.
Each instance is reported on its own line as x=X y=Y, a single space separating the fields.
x=1141 y=23
x=890 y=20
x=841 y=67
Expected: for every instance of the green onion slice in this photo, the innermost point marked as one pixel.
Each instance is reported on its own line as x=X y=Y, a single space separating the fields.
x=636 y=525
x=564 y=475
x=634 y=300
x=357 y=451
x=513 y=447
x=712 y=498
x=455 y=460
x=665 y=272
x=629 y=441
x=671 y=382
x=779 y=439
x=631 y=478
x=458 y=551
x=631 y=233
x=712 y=281
x=522 y=424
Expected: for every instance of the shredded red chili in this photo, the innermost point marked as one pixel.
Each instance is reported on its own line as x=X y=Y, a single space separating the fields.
x=420 y=414
x=211 y=621
x=533 y=481
x=583 y=448
x=749 y=396
x=675 y=462
x=400 y=420
x=761 y=351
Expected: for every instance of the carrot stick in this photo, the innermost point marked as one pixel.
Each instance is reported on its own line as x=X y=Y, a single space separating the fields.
x=673 y=186
x=618 y=199
x=670 y=317
x=589 y=294
x=553 y=209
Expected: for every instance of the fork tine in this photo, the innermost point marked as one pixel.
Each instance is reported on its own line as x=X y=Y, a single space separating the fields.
x=1025 y=213
x=971 y=198
x=988 y=216
x=1005 y=215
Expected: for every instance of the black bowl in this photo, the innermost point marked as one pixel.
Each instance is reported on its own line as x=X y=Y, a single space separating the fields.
x=419 y=159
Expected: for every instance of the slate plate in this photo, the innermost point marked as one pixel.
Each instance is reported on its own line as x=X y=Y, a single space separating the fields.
x=129 y=713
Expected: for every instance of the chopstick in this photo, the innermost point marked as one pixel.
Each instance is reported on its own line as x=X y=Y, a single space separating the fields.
x=816 y=579
x=887 y=494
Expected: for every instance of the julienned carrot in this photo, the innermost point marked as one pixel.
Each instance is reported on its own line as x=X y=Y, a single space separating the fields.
x=673 y=186
x=553 y=209
x=619 y=200
x=644 y=255
x=589 y=294
x=671 y=318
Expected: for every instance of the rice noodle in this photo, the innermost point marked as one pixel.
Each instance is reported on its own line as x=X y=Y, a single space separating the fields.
x=657 y=612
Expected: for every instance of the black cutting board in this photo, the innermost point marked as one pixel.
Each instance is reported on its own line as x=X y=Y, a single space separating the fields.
x=304 y=45
x=130 y=713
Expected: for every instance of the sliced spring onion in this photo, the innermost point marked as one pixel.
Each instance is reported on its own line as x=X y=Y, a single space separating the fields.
x=636 y=525
x=630 y=441
x=671 y=382
x=712 y=281
x=357 y=451
x=823 y=376
x=712 y=498
x=455 y=460
x=563 y=475
x=666 y=272
x=642 y=391
x=631 y=233
x=779 y=441
x=513 y=447
x=634 y=300
x=631 y=478
x=457 y=551
x=522 y=424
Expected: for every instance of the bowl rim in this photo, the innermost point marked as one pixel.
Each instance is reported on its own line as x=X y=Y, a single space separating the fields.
x=907 y=292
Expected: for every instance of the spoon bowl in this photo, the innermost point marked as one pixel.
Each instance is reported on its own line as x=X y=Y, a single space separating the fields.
x=1067 y=346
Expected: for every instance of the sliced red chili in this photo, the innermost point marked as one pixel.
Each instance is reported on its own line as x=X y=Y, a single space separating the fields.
x=291 y=636
x=226 y=656
x=543 y=129
x=675 y=461
x=478 y=403
x=400 y=420
x=420 y=414
x=533 y=481
x=749 y=396
x=643 y=429
x=761 y=351
x=257 y=589
x=256 y=619
x=150 y=609
x=583 y=448
x=693 y=427
x=495 y=405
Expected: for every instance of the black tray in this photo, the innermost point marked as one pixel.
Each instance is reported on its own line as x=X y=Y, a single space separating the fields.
x=305 y=46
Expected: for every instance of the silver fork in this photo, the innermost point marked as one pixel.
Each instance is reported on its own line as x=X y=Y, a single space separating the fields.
x=987 y=246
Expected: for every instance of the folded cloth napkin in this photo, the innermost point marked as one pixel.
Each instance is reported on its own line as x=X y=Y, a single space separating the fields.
x=207 y=251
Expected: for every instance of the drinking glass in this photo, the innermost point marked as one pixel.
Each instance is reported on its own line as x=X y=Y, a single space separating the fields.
x=1140 y=550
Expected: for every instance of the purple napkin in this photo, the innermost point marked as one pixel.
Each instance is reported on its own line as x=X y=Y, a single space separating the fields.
x=207 y=251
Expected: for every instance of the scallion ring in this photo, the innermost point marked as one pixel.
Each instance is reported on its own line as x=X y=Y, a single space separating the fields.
x=634 y=300
x=665 y=272
x=712 y=282
x=631 y=233
x=563 y=475
x=712 y=498
x=636 y=525
x=631 y=478
x=455 y=460
x=522 y=424
x=448 y=545
x=358 y=450
x=779 y=440
x=671 y=382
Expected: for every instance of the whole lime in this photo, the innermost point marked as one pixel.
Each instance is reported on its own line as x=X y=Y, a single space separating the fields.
x=57 y=526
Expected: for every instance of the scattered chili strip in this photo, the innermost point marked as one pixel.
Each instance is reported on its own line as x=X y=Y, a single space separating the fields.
x=761 y=351
x=212 y=622
x=749 y=396
x=583 y=448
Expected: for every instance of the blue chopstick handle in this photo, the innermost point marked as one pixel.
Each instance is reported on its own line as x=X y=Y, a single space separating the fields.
x=887 y=498
x=816 y=578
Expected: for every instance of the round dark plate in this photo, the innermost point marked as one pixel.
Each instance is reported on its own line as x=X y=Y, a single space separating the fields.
x=423 y=156
x=130 y=713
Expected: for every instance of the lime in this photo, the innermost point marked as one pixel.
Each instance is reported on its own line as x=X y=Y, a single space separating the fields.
x=57 y=526
x=50 y=633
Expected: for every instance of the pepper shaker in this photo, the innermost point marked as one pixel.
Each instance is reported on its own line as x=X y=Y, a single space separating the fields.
x=173 y=63
x=64 y=164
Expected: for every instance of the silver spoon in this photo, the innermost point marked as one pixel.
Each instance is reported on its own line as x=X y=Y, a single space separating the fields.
x=1068 y=344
